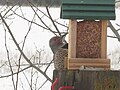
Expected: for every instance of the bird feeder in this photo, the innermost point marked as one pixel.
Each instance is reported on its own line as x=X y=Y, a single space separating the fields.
x=87 y=32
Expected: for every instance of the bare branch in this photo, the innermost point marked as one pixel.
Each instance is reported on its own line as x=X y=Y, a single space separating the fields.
x=22 y=85
x=43 y=84
x=118 y=30
x=15 y=72
x=114 y=30
x=29 y=20
x=52 y=20
x=9 y=10
x=8 y=57
x=22 y=51
x=27 y=80
x=117 y=24
x=45 y=14
x=48 y=66
x=111 y=36
x=42 y=20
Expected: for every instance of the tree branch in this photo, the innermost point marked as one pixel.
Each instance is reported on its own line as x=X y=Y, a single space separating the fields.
x=22 y=51
x=42 y=20
x=8 y=57
x=15 y=72
x=45 y=14
x=52 y=21
x=114 y=30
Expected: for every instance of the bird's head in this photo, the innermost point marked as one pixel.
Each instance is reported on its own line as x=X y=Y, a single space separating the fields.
x=56 y=42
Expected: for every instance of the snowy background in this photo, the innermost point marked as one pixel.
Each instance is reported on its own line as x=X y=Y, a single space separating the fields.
x=38 y=39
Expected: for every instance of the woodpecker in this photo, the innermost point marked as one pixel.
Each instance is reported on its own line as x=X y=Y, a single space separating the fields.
x=60 y=51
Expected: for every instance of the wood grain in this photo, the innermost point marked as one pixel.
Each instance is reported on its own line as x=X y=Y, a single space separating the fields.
x=76 y=63
x=104 y=39
x=88 y=80
x=72 y=38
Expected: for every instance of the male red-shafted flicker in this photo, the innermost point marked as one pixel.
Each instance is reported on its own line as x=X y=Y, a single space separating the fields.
x=60 y=51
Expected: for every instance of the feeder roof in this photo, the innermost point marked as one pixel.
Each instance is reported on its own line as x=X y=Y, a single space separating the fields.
x=88 y=9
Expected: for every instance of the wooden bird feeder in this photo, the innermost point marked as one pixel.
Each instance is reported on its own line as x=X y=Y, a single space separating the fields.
x=87 y=32
x=87 y=46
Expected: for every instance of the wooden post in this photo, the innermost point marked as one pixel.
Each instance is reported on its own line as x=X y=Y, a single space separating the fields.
x=72 y=41
x=88 y=80
x=72 y=38
x=104 y=39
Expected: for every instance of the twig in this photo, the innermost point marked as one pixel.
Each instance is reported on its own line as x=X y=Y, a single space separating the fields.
x=52 y=21
x=42 y=84
x=27 y=64
x=45 y=14
x=117 y=24
x=22 y=51
x=27 y=79
x=118 y=29
x=42 y=20
x=36 y=81
x=3 y=64
x=31 y=85
x=23 y=47
x=112 y=36
x=114 y=30
x=15 y=72
x=29 y=20
x=8 y=57
x=48 y=66
x=10 y=9
x=22 y=85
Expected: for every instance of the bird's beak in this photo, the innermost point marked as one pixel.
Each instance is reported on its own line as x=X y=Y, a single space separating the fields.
x=63 y=38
